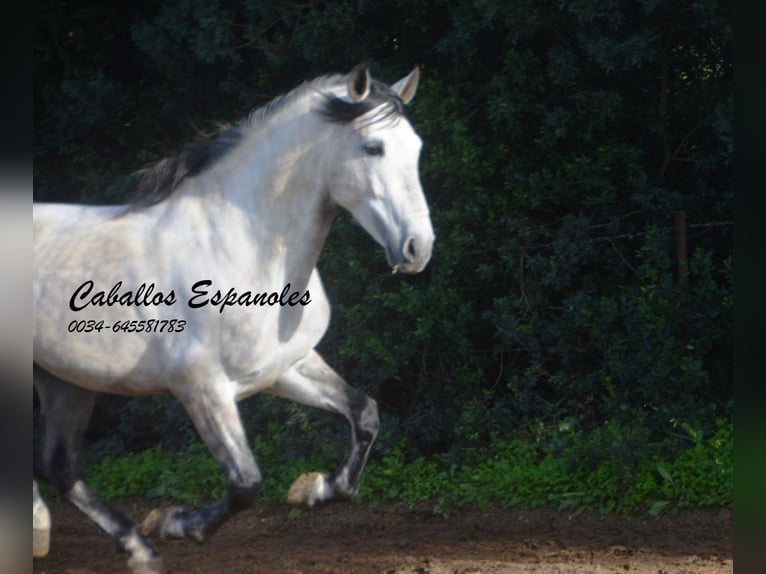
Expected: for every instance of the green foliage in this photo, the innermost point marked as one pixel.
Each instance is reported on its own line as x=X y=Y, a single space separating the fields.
x=190 y=476
x=562 y=467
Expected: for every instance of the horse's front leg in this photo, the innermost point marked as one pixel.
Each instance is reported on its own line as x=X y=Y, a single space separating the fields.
x=312 y=382
x=213 y=410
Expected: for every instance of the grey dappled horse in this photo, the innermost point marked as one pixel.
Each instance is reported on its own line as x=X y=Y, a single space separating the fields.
x=206 y=287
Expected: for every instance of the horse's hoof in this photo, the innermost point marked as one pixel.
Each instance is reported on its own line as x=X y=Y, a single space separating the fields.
x=308 y=490
x=41 y=540
x=151 y=527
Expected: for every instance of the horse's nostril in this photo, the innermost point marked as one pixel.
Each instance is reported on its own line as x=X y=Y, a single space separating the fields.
x=410 y=249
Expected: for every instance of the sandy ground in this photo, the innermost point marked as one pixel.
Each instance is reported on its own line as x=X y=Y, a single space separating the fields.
x=352 y=538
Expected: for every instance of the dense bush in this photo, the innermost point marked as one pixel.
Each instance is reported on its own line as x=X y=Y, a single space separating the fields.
x=561 y=139
x=563 y=468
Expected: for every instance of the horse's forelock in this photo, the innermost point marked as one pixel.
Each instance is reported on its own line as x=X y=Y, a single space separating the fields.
x=338 y=110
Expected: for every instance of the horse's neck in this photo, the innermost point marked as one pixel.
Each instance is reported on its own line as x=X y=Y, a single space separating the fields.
x=266 y=195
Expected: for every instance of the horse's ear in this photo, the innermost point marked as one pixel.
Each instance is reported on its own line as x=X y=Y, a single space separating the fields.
x=359 y=82
x=407 y=86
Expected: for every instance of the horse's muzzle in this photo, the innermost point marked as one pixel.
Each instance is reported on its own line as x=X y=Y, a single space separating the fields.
x=413 y=255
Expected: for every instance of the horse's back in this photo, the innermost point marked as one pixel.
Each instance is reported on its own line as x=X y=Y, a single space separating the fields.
x=67 y=240
x=65 y=214
x=57 y=225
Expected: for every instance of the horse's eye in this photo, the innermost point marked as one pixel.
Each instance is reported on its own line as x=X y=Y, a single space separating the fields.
x=373 y=148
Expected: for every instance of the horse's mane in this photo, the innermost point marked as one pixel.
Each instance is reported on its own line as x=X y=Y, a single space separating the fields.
x=160 y=179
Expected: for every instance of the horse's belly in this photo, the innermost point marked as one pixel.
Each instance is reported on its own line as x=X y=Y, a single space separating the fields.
x=102 y=359
x=116 y=349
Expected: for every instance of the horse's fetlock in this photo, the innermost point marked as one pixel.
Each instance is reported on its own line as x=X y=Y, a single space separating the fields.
x=345 y=491
x=139 y=550
x=244 y=496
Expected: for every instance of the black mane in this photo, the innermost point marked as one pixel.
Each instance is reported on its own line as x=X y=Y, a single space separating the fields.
x=161 y=179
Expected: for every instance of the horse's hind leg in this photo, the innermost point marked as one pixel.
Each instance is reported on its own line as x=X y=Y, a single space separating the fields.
x=312 y=382
x=66 y=411
x=41 y=524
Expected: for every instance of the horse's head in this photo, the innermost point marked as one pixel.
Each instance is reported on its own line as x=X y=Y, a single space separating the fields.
x=372 y=168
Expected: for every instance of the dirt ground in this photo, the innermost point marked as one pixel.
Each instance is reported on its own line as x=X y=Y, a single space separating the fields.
x=351 y=538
